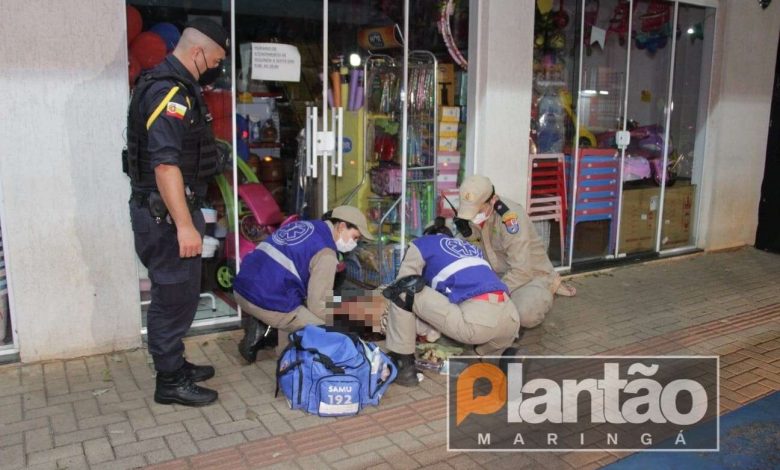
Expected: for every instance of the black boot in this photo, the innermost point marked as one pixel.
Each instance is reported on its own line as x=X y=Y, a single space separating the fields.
x=177 y=387
x=198 y=373
x=407 y=372
x=252 y=340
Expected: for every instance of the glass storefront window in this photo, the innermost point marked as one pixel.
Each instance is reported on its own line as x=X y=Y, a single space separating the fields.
x=271 y=116
x=616 y=125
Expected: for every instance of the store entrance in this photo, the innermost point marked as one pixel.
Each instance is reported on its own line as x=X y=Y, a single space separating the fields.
x=768 y=233
x=310 y=104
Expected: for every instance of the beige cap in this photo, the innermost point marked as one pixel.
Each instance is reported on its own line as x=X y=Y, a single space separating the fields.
x=355 y=217
x=475 y=190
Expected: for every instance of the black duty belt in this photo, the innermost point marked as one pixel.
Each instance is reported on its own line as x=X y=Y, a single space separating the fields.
x=141 y=198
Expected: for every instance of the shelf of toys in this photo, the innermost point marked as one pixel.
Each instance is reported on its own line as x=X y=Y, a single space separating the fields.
x=377 y=263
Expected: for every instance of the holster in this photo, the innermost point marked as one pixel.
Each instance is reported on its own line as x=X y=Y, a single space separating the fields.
x=154 y=202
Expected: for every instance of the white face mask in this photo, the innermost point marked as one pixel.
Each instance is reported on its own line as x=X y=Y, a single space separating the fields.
x=345 y=246
x=479 y=218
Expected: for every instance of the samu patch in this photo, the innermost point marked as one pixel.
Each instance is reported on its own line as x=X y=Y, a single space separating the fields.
x=511 y=223
x=175 y=110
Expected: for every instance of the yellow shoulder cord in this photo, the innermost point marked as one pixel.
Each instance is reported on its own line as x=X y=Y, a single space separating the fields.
x=161 y=106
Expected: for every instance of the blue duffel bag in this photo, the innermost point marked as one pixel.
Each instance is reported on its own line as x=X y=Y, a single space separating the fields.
x=329 y=373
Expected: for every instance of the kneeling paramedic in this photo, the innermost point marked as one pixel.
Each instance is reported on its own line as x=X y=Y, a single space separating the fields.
x=446 y=283
x=171 y=155
x=285 y=281
x=503 y=231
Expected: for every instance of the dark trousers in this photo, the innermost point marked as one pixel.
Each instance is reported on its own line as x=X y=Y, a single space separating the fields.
x=175 y=285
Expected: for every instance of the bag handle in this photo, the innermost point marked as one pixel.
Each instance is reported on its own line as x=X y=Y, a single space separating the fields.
x=322 y=358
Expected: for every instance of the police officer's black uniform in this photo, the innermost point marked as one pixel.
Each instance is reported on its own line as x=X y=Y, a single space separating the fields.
x=168 y=123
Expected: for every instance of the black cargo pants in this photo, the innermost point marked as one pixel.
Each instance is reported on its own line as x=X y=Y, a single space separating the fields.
x=175 y=285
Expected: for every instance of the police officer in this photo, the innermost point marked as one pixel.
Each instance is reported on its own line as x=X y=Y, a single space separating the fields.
x=285 y=281
x=511 y=245
x=171 y=154
x=446 y=283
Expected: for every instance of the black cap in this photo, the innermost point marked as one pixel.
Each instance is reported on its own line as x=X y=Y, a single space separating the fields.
x=211 y=29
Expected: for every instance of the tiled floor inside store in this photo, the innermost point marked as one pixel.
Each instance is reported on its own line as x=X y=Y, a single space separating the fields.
x=97 y=412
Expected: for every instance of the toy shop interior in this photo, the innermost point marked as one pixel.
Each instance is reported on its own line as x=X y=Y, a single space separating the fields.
x=310 y=103
x=363 y=102
x=617 y=126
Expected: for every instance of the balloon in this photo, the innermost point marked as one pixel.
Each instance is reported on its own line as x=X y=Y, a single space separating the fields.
x=168 y=32
x=149 y=49
x=134 y=23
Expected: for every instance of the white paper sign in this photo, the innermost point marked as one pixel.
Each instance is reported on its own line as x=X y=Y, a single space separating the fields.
x=276 y=62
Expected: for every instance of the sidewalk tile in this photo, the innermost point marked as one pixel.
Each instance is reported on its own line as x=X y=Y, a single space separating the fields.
x=98 y=451
x=221 y=442
x=52 y=455
x=140 y=447
x=181 y=445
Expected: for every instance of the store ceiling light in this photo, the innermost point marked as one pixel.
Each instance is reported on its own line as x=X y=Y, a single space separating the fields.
x=691 y=30
x=603 y=92
x=354 y=60
x=589 y=93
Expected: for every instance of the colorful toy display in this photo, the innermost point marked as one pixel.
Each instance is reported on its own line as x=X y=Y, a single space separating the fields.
x=654 y=27
x=644 y=155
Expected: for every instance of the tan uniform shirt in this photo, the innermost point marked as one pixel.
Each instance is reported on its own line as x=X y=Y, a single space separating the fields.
x=413 y=262
x=322 y=273
x=516 y=257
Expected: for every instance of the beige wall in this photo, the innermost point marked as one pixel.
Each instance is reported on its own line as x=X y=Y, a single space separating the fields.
x=63 y=91
x=741 y=95
x=500 y=74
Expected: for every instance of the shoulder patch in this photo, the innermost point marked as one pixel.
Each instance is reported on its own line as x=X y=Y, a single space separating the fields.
x=175 y=110
x=510 y=222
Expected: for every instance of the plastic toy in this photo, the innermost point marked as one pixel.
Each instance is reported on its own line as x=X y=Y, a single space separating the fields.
x=587 y=139
x=258 y=216
x=654 y=27
x=647 y=143
x=618 y=24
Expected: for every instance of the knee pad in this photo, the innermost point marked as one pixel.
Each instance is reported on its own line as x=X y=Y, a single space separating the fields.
x=408 y=285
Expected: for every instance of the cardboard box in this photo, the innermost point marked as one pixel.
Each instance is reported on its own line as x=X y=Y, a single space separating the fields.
x=448 y=144
x=448 y=129
x=444 y=167
x=450 y=114
x=638 y=220
x=678 y=210
x=640 y=213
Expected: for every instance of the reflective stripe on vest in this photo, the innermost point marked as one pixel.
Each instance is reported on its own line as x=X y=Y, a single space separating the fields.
x=161 y=106
x=280 y=258
x=456 y=266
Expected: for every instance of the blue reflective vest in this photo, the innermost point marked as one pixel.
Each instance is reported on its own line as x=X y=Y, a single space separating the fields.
x=456 y=268
x=275 y=276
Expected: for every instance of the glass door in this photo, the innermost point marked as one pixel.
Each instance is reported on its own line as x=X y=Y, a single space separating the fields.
x=685 y=150
x=593 y=167
x=647 y=113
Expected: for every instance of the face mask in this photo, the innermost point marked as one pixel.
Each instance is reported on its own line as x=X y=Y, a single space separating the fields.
x=210 y=75
x=345 y=246
x=479 y=218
